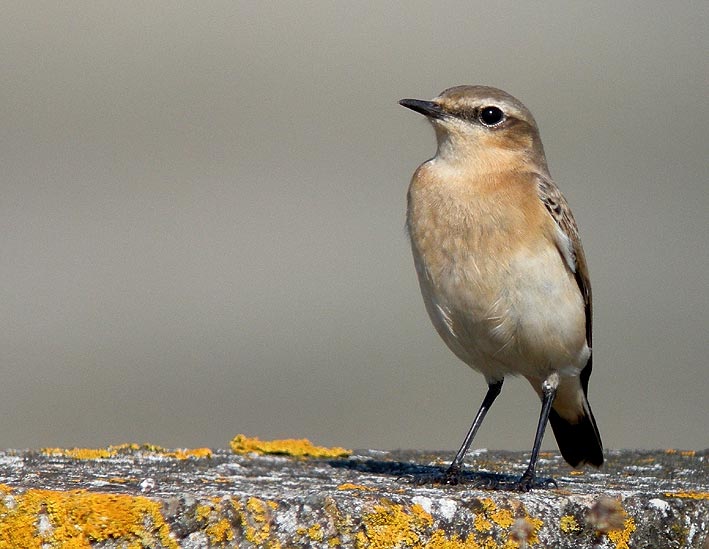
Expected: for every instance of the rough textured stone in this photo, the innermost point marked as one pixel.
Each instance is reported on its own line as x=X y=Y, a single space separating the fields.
x=143 y=496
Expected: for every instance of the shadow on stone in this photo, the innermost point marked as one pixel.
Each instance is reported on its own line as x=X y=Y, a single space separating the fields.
x=420 y=475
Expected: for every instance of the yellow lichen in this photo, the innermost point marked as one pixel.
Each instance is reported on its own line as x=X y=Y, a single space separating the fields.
x=202 y=512
x=621 y=537
x=687 y=495
x=77 y=518
x=395 y=525
x=257 y=508
x=491 y=514
x=421 y=516
x=391 y=525
x=684 y=453
x=568 y=524
x=220 y=531
x=350 y=486
x=439 y=540
x=80 y=453
x=211 y=517
x=123 y=449
x=315 y=532
x=241 y=444
x=257 y=521
x=186 y=453
x=502 y=517
x=481 y=524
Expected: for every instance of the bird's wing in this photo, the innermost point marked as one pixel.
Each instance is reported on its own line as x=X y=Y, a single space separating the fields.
x=569 y=245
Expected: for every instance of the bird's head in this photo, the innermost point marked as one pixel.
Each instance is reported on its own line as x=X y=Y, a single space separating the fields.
x=483 y=125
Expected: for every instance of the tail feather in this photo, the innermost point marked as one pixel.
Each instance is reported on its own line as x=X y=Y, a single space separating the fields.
x=579 y=443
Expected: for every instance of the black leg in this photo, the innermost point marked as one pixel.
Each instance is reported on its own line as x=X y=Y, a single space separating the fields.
x=548 y=393
x=453 y=473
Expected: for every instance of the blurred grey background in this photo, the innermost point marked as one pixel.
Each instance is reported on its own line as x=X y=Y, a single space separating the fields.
x=202 y=211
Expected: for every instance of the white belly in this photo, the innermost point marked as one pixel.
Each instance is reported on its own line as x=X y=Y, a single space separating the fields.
x=522 y=316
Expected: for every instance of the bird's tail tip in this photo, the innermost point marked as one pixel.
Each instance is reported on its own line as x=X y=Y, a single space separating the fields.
x=579 y=443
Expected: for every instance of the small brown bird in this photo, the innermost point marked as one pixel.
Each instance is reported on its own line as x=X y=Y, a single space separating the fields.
x=500 y=265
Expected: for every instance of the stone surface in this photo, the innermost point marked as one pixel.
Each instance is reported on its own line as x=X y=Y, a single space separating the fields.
x=144 y=496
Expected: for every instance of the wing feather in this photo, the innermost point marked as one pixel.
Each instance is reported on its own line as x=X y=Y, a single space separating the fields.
x=570 y=248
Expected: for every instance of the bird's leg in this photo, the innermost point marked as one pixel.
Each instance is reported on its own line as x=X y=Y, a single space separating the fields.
x=452 y=474
x=549 y=388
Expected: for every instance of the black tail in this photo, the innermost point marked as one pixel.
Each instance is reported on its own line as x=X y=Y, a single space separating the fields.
x=579 y=443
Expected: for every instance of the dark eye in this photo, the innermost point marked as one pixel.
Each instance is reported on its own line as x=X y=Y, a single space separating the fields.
x=491 y=116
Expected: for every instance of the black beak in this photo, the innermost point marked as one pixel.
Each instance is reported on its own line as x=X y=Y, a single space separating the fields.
x=427 y=108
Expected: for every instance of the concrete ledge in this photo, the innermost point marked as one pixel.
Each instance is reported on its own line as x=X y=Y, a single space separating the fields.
x=144 y=496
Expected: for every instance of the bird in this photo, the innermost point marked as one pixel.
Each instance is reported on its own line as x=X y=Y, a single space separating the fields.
x=501 y=269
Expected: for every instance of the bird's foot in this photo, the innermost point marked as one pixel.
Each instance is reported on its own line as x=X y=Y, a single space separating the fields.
x=454 y=476
x=451 y=477
x=529 y=481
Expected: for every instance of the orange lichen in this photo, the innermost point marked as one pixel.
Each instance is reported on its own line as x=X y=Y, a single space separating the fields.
x=241 y=444
x=492 y=515
x=481 y=524
x=501 y=517
x=421 y=516
x=257 y=527
x=80 y=453
x=687 y=495
x=125 y=449
x=621 y=537
x=350 y=486
x=187 y=453
x=314 y=532
x=439 y=540
x=218 y=529
x=684 y=453
x=394 y=525
x=77 y=518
